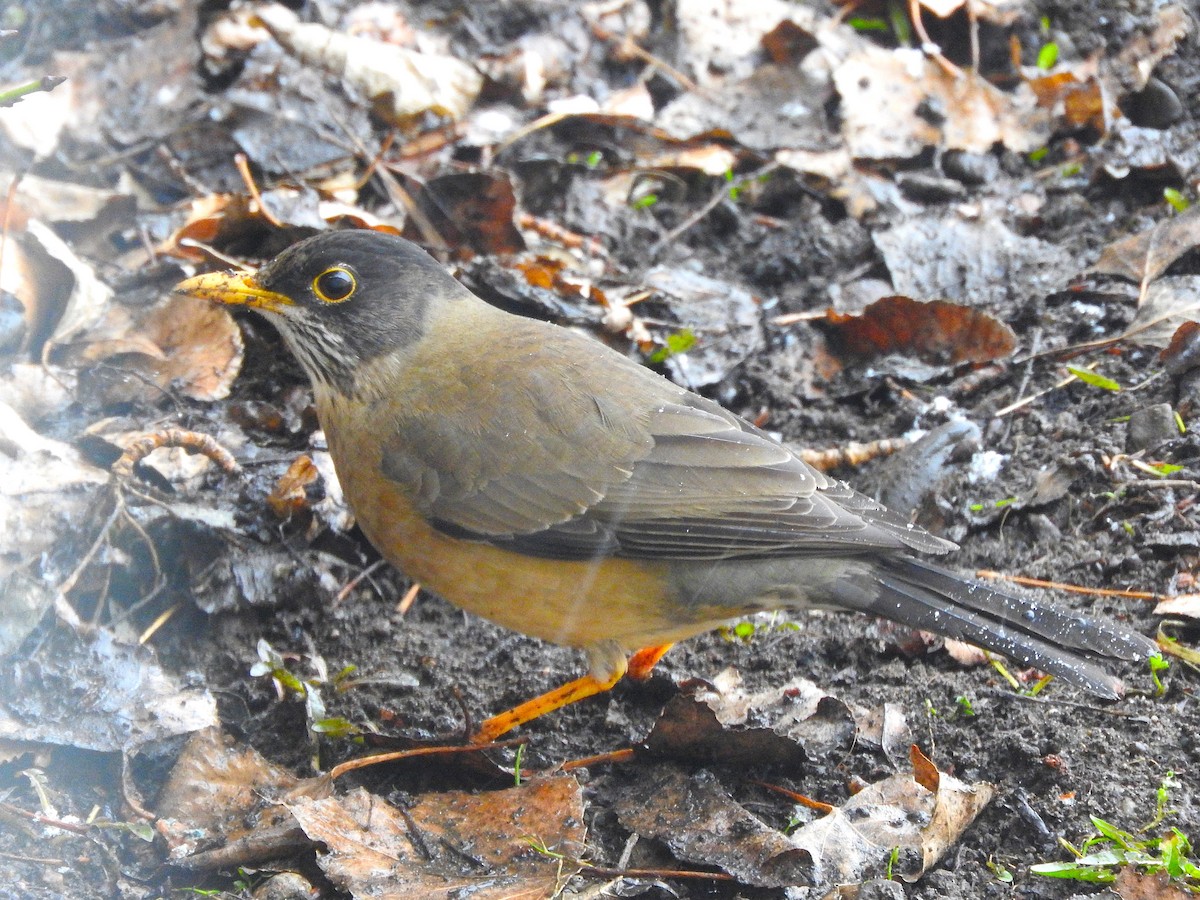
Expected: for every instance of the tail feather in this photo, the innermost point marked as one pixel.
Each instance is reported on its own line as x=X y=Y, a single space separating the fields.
x=922 y=595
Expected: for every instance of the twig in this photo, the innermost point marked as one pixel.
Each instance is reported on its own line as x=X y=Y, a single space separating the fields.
x=46 y=83
x=1069 y=588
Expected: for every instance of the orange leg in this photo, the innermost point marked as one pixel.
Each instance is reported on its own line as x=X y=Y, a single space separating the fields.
x=504 y=722
x=646 y=659
x=639 y=667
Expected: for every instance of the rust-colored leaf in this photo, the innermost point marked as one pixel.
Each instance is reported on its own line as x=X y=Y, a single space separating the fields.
x=924 y=770
x=290 y=494
x=937 y=332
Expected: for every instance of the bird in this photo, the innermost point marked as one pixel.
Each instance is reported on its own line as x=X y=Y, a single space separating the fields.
x=536 y=477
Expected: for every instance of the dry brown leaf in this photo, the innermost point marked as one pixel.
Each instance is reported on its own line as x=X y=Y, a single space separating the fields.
x=1144 y=256
x=216 y=791
x=450 y=845
x=201 y=348
x=471 y=211
x=403 y=84
x=290 y=494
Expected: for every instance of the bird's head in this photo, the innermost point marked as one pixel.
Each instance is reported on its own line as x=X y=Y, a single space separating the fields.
x=341 y=299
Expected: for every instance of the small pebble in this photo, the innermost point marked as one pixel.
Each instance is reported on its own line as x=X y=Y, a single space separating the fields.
x=1150 y=426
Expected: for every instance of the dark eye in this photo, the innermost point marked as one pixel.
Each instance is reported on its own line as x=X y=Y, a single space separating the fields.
x=335 y=285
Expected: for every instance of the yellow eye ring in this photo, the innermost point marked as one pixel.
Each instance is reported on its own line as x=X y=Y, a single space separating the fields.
x=335 y=285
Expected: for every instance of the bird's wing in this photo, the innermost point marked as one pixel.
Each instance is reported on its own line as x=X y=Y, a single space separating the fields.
x=605 y=458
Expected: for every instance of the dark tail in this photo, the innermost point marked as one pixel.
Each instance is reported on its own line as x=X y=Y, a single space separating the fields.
x=921 y=595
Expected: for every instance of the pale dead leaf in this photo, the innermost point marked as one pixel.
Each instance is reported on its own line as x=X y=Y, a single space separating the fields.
x=1183 y=605
x=884 y=91
x=1167 y=304
x=52 y=200
x=130 y=699
x=722 y=39
x=998 y=12
x=853 y=841
x=89 y=297
x=1144 y=256
x=1133 y=65
x=403 y=84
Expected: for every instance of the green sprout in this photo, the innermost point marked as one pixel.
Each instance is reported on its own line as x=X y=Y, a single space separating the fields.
x=1002 y=874
x=861 y=23
x=679 y=342
x=1102 y=856
x=1039 y=154
x=1176 y=199
x=517 y=760
x=1162 y=470
x=272 y=663
x=898 y=14
x=1158 y=663
x=644 y=202
x=964 y=704
x=1048 y=56
x=893 y=861
x=1087 y=376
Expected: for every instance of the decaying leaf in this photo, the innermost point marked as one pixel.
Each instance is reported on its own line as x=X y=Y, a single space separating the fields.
x=216 y=793
x=1168 y=303
x=937 y=333
x=723 y=722
x=921 y=814
x=886 y=99
x=1144 y=256
x=46 y=488
x=97 y=693
x=516 y=844
x=403 y=84
x=1182 y=353
x=979 y=263
x=700 y=823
